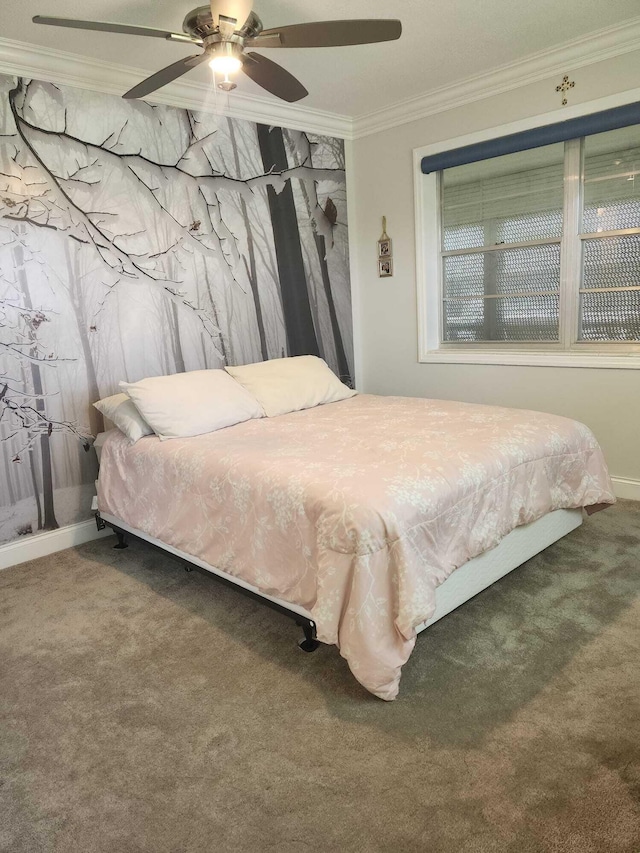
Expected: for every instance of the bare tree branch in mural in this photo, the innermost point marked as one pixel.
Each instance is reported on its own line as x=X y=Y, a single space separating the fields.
x=127 y=264
x=24 y=417
x=157 y=176
x=22 y=206
x=22 y=355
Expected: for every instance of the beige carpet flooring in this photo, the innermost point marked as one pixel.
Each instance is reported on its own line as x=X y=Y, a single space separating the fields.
x=146 y=709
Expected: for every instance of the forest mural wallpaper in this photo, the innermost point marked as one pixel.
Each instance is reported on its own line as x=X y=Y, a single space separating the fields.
x=138 y=240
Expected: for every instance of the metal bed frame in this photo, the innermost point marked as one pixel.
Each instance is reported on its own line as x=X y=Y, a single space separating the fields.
x=309 y=644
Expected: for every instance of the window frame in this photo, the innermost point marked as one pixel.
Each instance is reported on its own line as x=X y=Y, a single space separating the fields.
x=568 y=351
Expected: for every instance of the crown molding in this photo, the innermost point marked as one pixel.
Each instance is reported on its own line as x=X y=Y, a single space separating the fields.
x=69 y=69
x=587 y=50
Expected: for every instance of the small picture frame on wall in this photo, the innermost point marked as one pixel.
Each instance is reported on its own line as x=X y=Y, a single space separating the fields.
x=384 y=247
x=385 y=259
x=385 y=267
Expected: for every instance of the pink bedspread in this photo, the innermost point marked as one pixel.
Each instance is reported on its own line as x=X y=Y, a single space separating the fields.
x=355 y=510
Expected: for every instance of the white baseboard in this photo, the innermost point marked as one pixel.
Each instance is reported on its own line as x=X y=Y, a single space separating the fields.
x=42 y=544
x=623 y=487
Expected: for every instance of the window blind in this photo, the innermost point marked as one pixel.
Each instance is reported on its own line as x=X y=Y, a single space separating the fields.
x=561 y=131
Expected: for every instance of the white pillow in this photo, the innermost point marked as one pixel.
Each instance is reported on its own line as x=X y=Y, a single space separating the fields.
x=192 y=403
x=284 y=385
x=120 y=409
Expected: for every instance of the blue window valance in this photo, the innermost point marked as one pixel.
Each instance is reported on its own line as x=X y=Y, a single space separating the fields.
x=561 y=131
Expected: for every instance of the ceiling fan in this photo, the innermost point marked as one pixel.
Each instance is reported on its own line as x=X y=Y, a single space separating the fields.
x=225 y=30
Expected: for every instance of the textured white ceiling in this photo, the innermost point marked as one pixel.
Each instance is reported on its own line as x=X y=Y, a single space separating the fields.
x=444 y=41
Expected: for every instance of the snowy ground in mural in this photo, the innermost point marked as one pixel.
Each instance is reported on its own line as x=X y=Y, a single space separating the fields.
x=138 y=240
x=21 y=519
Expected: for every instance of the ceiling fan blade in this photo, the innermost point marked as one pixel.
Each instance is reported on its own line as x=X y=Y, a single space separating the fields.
x=103 y=27
x=272 y=77
x=165 y=75
x=329 y=34
x=238 y=9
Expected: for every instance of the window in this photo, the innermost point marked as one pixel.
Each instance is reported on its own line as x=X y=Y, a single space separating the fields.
x=539 y=251
x=610 y=236
x=501 y=227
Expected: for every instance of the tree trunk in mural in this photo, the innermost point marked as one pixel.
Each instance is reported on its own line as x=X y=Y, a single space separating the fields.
x=5 y=457
x=251 y=266
x=36 y=487
x=48 y=522
x=31 y=456
x=174 y=326
x=216 y=319
x=343 y=366
x=7 y=474
x=301 y=335
x=330 y=214
x=96 y=421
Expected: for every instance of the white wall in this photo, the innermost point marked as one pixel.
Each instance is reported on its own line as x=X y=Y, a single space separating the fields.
x=608 y=400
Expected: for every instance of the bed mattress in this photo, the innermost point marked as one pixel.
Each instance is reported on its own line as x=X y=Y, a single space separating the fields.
x=356 y=511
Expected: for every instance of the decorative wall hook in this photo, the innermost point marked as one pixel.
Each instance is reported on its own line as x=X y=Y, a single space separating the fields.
x=564 y=88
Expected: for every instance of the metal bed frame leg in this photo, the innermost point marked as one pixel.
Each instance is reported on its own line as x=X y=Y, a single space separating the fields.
x=309 y=644
x=122 y=539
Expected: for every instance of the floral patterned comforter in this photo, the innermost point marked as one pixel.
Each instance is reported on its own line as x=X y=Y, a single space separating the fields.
x=355 y=510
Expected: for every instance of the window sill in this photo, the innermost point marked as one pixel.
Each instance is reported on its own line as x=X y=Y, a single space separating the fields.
x=630 y=361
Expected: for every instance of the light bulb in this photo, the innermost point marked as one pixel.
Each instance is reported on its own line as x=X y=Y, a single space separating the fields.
x=225 y=64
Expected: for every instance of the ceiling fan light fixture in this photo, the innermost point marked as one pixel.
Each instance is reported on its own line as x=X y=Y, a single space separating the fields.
x=225 y=64
x=225 y=58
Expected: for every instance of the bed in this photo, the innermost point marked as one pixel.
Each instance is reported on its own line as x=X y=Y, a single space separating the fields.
x=369 y=518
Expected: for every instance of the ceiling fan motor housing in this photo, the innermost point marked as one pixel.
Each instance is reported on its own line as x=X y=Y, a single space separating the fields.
x=199 y=24
x=218 y=47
